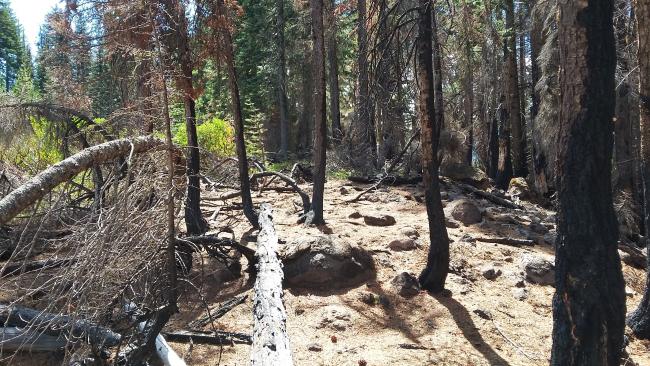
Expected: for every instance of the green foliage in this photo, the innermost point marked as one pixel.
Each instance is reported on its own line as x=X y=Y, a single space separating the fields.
x=11 y=45
x=339 y=173
x=34 y=150
x=215 y=136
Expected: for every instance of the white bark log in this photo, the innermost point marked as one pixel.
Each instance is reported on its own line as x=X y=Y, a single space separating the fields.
x=270 y=340
x=15 y=339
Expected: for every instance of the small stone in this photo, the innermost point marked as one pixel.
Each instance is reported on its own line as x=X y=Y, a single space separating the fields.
x=300 y=311
x=344 y=191
x=409 y=232
x=508 y=259
x=402 y=244
x=369 y=298
x=362 y=363
x=467 y=238
x=355 y=215
x=451 y=224
x=406 y=284
x=538 y=228
x=520 y=294
x=629 y=292
x=520 y=283
x=379 y=220
x=483 y=314
x=538 y=270
x=466 y=212
x=489 y=272
x=333 y=339
x=315 y=347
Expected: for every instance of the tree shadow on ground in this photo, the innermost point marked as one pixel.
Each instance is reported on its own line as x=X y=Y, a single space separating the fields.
x=465 y=323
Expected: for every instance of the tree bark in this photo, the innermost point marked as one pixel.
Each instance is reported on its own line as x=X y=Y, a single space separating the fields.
x=513 y=102
x=434 y=274
x=43 y=182
x=589 y=302
x=639 y=320
x=468 y=85
x=332 y=57
x=270 y=340
x=624 y=157
x=504 y=165
x=320 y=113
x=282 y=82
x=365 y=121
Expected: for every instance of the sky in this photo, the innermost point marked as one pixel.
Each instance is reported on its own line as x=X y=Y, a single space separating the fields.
x=31 y=14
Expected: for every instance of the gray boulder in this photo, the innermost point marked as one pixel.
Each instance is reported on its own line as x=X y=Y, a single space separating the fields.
x=406 y=284
x=466 y=212
x=379 y=220
x=538 y=270
x=324 y=260
x=403 y=244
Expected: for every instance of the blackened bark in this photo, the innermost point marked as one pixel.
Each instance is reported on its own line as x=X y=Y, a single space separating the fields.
x=468 y=85
x=538 y=155
x=320 y=115
x=438 y=100
x=282 y=82
x=240 y=143
x=333 y=61
x=639 y=320
x=623 y=123
x=513 y=102
x=504 y=165
x=493 y=149
x=365 y=121
x=193 y=217
x=589 y=302
x=434 y=274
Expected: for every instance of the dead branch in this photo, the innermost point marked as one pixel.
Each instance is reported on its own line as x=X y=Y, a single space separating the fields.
x=214 y=314
x=306 y=202
x=41 y=184
x=507 y=241
x=490 y=197
x=21 y=268
x=214 y=338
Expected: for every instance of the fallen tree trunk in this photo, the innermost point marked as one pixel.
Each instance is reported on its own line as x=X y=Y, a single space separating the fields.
x=16 y=269
x=42 y=183
x=507 y=241
x=214 y=338
x=270 y=340
x=55 y=325
x=207 y=240
x=215 y=314
x=490 y=197
x=18 y=339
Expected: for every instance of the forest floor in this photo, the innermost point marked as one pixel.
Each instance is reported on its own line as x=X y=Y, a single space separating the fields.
x=449 y=329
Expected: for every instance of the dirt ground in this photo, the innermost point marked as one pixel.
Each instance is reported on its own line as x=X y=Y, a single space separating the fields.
x=422 y=330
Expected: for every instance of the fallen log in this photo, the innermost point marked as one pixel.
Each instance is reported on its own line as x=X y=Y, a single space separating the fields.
x=306 y=202
x=214 y=314
x=490 y=197
x=208 y=240
x=16 y=269
x=391 y=180
x=18 y=339
x=56 y=325
x=270 y=340
x=42 y=183
x=214 y=338
x=507 y=241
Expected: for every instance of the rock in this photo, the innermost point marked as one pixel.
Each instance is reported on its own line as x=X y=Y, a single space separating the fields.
x=538 y=228
x=336 y=317
x=403 y=244
x=315 y=347
x=344 y=191
x=629 y=292
x=451 y=224
x=518 y=188
x=355 y=215
x=489 y=272
x=483 y=314
x=520 y=294
x=467 y=239
x=406 y=284
x=466 y=212
x=379 y=220
x=409 y=232
x=324 y=260
x=538 y=270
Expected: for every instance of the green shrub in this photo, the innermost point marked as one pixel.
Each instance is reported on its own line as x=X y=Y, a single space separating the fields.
x=215 y=136
x=34 y=150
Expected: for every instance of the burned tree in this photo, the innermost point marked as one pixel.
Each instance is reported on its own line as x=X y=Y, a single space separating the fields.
x=589 y=301
x=434 y=275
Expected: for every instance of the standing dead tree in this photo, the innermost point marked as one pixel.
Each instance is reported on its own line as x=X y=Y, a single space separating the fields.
x=270 y=339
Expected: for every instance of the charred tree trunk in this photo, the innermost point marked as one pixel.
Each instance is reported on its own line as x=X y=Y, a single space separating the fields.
x=513 y=101
x=240 y=143
x=434 y=274
x=624 y=157
x=468 y=86
x=333 y=61
x=320 y=115
x=365 y=122
x=270 y=340
x=282 y=82
x=193 y=216
x=589 y=302
x=639 y=320
x=438 y=101
x=504 y=165
x=536 y=44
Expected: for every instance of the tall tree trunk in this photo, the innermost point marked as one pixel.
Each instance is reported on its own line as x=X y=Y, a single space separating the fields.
x=589 y=302
x=504 y=164
x=468 y=85
x=306 y=122
x=320 y=115
x=438 y=99
x=333 y=61
x=282 y=82
x=434 y=274
x=536 y=43
x=623 y=143
x=639 y=320
x=365 y=122
x=240 y=143
x=512 y=94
